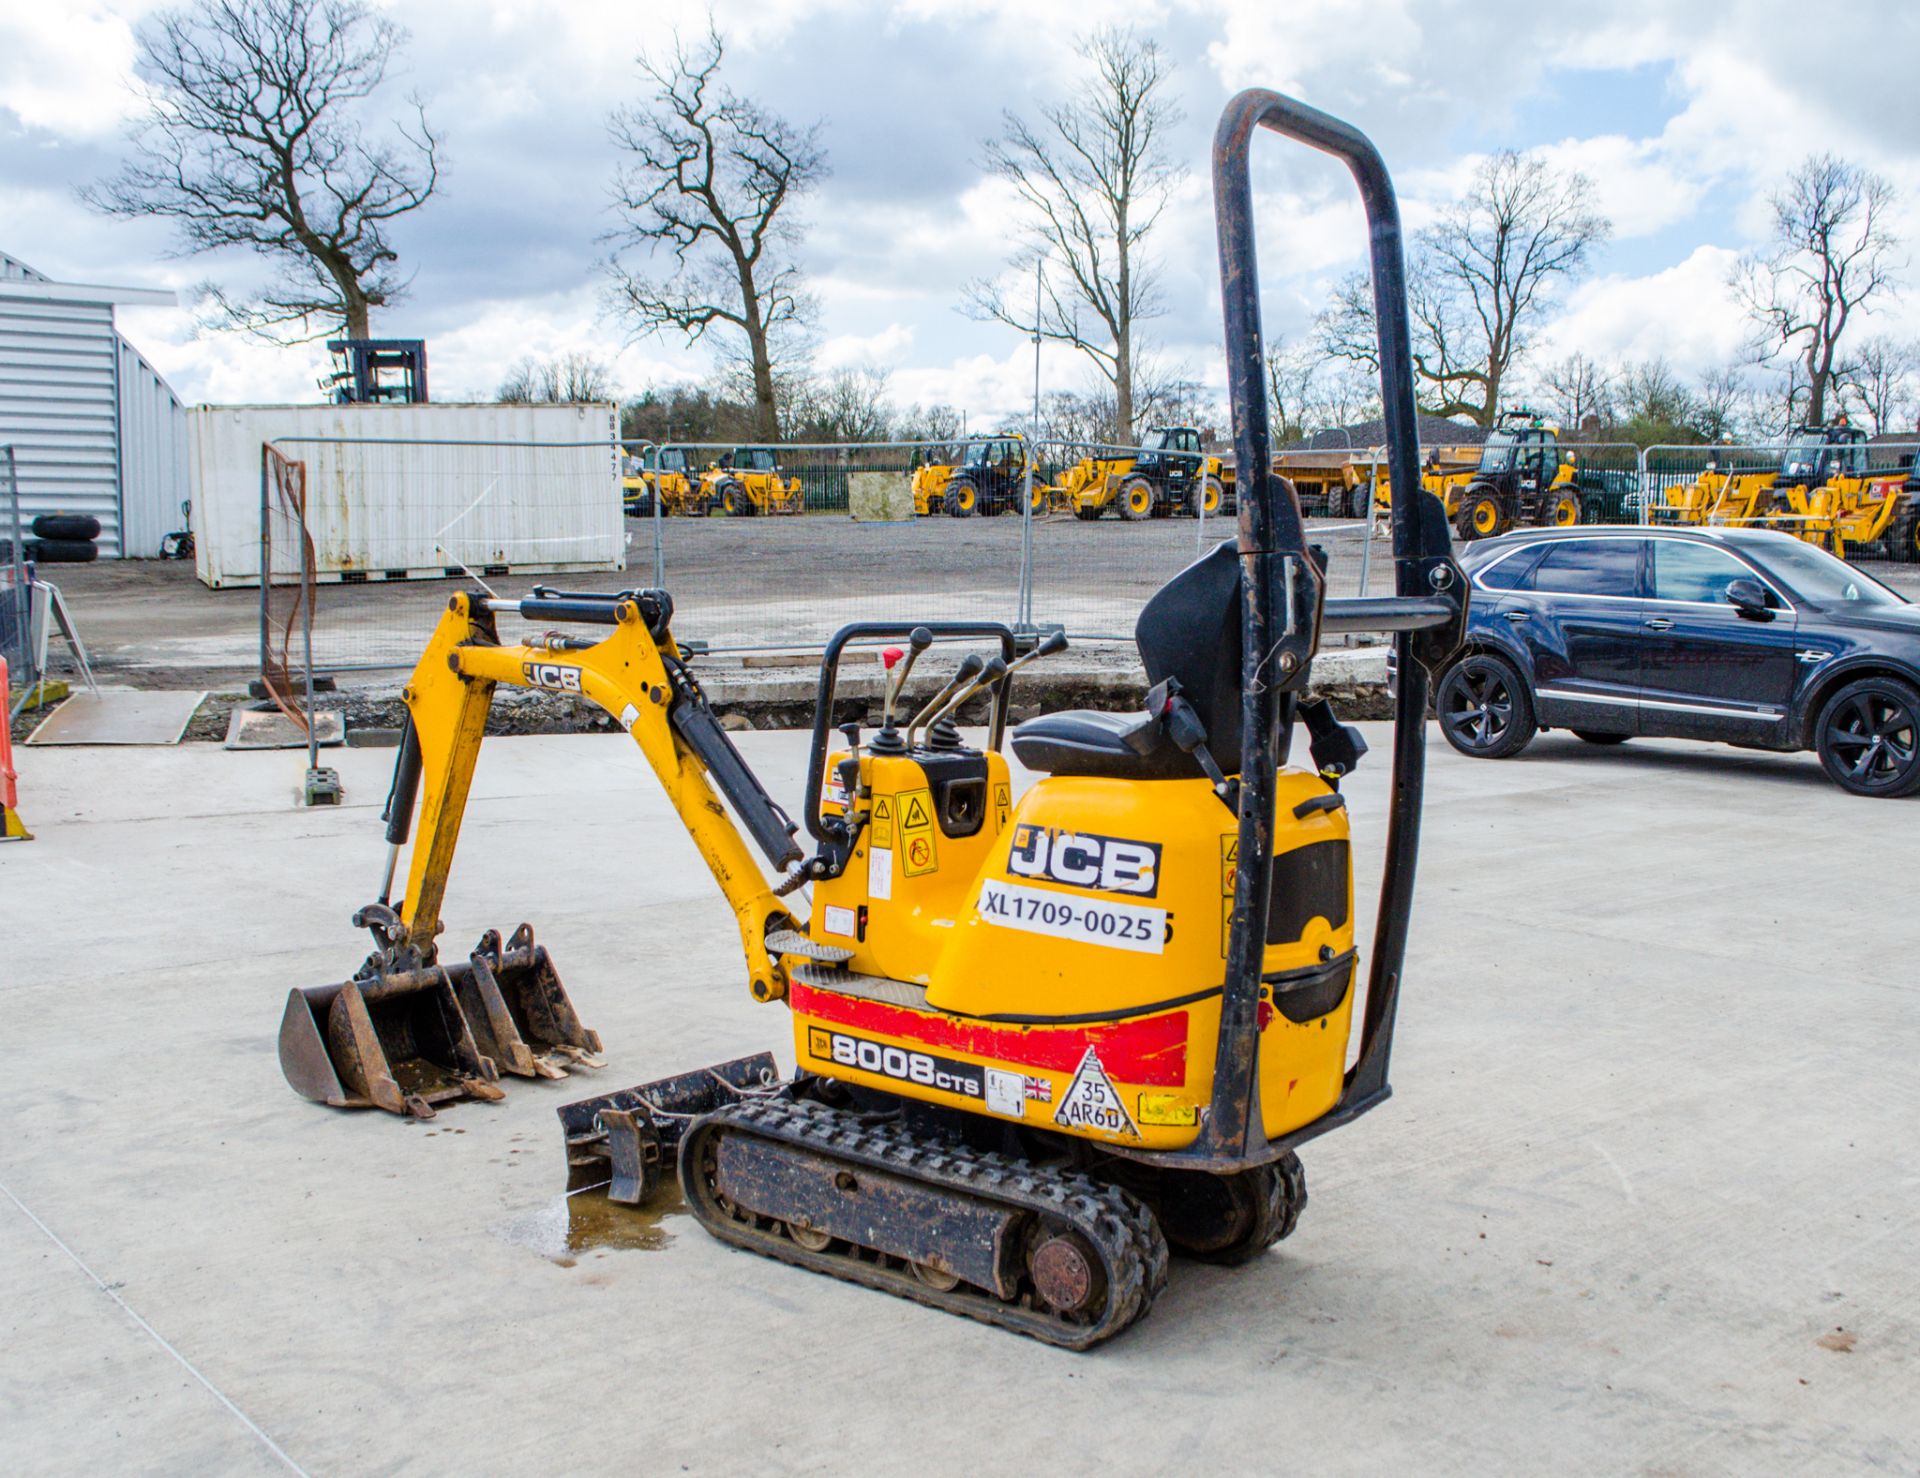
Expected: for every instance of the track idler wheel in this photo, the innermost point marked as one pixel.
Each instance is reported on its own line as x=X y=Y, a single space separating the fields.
x=1224 y=1219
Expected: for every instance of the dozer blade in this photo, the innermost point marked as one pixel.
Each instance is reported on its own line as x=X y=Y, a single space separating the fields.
x=626 y=1137
x=397 y=1042
x=519 y=1012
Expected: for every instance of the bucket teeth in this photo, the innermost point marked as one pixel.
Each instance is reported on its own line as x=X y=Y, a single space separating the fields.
x=406 y=1036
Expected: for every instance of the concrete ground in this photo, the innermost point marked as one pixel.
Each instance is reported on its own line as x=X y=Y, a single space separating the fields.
x=1645 y=1199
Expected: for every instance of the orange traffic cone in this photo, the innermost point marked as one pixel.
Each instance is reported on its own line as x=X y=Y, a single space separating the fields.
x=12 y=828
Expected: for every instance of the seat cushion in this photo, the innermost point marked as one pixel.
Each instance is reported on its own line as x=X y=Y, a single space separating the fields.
x=1120 y=746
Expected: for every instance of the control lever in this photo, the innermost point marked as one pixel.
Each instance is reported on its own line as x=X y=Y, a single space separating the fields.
x=1336 y=748
x=849 y=768
x=1181 y=720
x=940 y=732
x=887 y=741
x=969 y=669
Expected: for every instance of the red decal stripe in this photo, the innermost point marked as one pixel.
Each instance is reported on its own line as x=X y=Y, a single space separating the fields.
x=1152 y=1050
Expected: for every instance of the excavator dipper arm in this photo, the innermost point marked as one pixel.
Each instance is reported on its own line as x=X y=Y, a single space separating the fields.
x=634 y=674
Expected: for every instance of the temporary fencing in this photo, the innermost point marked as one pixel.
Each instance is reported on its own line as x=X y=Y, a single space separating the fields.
x=1859 y=500
x=17 y=643
x=775 y=547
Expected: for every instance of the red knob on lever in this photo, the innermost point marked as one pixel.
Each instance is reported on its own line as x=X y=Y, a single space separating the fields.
x=889 y=656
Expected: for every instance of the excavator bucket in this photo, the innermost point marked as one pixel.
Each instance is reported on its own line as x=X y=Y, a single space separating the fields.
x=404 y=1035
x=397 y=1042
x=519 y=1012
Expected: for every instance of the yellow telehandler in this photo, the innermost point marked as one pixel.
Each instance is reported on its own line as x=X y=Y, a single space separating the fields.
x=1169 y=474
x=1040 y=1040
x=666 y=474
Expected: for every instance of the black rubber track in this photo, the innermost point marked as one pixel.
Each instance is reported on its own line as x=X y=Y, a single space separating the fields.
x=1115 y=1223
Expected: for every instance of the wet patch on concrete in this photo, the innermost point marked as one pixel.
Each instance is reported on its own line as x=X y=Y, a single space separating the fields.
x=584 y=1223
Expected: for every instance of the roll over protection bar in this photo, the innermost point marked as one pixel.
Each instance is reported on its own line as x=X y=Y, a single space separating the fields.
x=1284 y=611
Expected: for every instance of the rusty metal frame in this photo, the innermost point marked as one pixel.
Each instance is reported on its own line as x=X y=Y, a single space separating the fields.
x=1284 y=613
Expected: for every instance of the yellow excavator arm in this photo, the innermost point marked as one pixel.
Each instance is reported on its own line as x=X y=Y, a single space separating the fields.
x=636 y=675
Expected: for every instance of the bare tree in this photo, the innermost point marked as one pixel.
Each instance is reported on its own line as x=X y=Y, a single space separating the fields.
x=707 y=182
x=1579 y=391
x=940 y=423
x=1878 y=383
x=1291 y=369
x=567 y=379
x=252 y=137
x=1722 y=405
x=850 y=404
x=1478 y=281
x=1093 y=177
x=1832 y=254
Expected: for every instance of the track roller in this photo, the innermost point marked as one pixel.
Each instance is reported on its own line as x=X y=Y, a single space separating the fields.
x=1045 y=1252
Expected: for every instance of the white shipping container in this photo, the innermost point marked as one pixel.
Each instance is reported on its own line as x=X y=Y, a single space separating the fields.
x=406 y=491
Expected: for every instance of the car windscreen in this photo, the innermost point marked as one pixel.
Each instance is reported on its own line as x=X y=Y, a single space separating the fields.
x=1816 y=575
x=754 y=459
x=1497 y=453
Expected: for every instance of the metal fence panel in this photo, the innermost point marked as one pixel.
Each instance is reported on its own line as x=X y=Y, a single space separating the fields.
x=16 y=597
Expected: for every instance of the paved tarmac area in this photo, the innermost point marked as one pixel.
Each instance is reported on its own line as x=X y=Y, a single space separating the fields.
x=1644 y=1200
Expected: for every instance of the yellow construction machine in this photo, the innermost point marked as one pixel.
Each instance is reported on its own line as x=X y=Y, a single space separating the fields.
x=1168 y=474
x=990 y=477
x=1039 y=1038
x=1445 y=473
x=1816 y=457
x=749 y=481
x=665 y=474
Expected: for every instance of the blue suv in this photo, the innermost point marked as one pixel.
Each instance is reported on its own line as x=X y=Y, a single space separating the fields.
x=1742 y=636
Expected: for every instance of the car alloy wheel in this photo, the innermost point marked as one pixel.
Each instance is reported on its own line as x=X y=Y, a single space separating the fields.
x=1869 y=738
x=1481 y=710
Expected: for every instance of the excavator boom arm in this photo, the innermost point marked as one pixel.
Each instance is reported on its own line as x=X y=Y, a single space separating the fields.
x=633 y=675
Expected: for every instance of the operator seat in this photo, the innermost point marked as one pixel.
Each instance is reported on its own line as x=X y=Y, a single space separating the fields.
x=1190 y=632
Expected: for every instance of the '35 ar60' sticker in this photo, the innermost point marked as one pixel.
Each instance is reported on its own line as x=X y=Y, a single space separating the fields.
x=551 y=675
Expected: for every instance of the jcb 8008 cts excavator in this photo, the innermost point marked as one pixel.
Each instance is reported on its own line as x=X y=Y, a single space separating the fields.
x=1039 y=1040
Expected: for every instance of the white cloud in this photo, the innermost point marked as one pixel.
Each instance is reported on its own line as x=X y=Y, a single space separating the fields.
x=882 y=349
x=67 y=67
x=1686 y=314
x=522 y=89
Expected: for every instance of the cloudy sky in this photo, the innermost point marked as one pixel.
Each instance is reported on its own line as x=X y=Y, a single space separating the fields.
x=1684 y=115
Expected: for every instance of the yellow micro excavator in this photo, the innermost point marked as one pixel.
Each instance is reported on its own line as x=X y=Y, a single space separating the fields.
x=1040 y=1040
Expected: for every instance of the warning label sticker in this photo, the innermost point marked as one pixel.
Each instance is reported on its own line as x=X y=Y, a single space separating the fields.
x=917 y=853
x=1002 y=804
x=882 y=823
x=1091 y=1102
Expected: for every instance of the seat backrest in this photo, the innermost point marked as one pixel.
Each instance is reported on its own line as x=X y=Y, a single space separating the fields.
x=1190 y=630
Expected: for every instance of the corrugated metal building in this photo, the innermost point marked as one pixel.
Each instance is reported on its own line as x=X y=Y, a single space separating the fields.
x=94 y=427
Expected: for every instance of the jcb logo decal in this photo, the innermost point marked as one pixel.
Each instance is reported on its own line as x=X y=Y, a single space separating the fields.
x=551 y=675
x=1084 y=859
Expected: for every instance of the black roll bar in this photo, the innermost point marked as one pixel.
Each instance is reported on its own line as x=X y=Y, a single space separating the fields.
x=1284 y=611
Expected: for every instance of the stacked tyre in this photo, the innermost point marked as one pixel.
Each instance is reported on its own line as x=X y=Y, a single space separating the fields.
x=59 y=539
